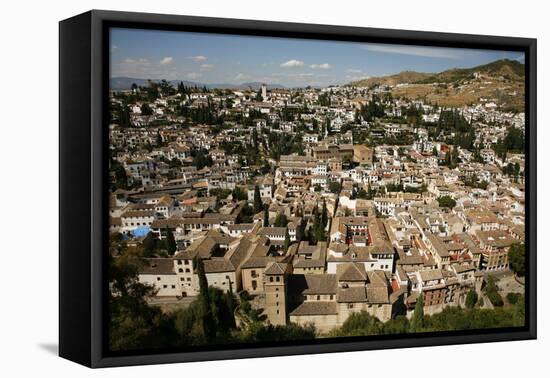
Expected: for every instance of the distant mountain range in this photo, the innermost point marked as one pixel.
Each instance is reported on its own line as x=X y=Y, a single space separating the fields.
x=125 y=83
x=501 y=81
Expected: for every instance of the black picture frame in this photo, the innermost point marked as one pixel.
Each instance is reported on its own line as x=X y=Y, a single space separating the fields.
x=83 y=209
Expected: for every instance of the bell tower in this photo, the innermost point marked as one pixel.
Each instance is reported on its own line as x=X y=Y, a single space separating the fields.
x=275 y=285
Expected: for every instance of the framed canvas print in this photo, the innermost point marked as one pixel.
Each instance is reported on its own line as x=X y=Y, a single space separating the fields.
x=233 y=188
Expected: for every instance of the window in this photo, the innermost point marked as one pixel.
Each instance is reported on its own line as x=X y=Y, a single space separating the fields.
x=186 y=262
x=270 y=279
x=331 y=297
x=173 y=286
x=318 y=297
x=158 y=278
x=350 y=305
x=182 y=279
x=278 y=279
x=179 y=262
x=180 y=270
x=164 y=286
x=188 y=279
x=187 y=270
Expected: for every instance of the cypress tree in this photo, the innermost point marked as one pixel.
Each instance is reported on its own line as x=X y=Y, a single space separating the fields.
x=258 y=206
x=287 y=240
x=471 y=298
x=171 y=245
x=417 y=320
x=324 y=215
x=149 y=244
x=266 y=216
x=208 y=322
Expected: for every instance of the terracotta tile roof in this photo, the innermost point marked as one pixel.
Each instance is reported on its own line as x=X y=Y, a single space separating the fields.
x=315 y=308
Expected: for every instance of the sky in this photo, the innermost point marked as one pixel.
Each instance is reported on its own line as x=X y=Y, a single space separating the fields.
x=229 y=59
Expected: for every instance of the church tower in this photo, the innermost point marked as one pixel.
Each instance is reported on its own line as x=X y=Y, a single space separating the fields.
x=264 y=92
x=275 y=286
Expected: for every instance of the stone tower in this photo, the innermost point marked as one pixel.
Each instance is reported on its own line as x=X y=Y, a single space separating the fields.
x=264 y=92
x=275 y=285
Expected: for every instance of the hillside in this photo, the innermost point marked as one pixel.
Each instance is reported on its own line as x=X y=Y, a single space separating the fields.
x=400 y=78
x=501 y=81
x=508 y=69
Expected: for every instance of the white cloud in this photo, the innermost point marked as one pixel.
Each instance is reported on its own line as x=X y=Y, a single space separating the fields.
x=323 y=66
x=167 y=60
x=241 y=76
x=292 y=63
x=521 y=58
x=198 y=58
x=355 y=74
x=141 y=61
x=193 y=75
x=206 y=67
x=429 y=52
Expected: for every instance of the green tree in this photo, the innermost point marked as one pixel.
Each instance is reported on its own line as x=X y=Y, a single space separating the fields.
x=491 y=291
x=334 y=187
x=121 y=179
x=159 y=140
x=133 y=324
x=239 y=194
x=287 y=241
x=516 y=258
x=359 y=324
x=513 y=298
x=171 y=245
x=258 y=205
x=281 y=220
x=259 y=97
x=208 y=322
x=317 y=231
x=446 y=202
x=471 y=298
x=124 y=115
x=202 y=159
x=397 y=326
x=258 y=332
x=266 y=216
x=324 y=214
x=417 y=320
x=146 y=109
x=149 y=245
x=300 y=231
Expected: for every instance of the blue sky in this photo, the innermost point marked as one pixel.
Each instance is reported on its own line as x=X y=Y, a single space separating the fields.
x=215 y=58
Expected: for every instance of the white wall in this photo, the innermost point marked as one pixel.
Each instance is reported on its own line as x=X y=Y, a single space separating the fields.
x=171 y=282
x=29 y=33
